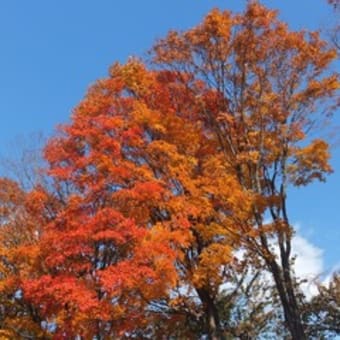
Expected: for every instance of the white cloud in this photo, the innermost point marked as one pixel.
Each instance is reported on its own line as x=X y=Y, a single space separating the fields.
x=327 y=279
x=308 y=264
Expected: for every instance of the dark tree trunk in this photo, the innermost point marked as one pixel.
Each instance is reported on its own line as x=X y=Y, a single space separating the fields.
x=285 y=288
x=212 y=319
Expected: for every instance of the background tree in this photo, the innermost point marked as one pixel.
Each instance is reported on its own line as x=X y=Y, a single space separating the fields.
x=19 y=256
x=267 y=85
x=23 y=161
x=335 y=31
x=322 y=313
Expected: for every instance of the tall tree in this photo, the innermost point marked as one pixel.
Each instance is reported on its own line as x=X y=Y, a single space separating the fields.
x=267 y=86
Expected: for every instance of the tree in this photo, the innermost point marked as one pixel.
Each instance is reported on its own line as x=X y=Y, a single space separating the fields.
x=144 y=222
x=249 y=306
x=23 y=161
x=334 y=3
x=19 y=236
x=267 y=85
x=106 y=253
x=323 y=313
x=335 y=31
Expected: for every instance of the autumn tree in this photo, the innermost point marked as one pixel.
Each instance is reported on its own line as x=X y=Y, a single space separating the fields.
x=146 y=216
x=267 y=87
x=19 y=236
x=106 y=254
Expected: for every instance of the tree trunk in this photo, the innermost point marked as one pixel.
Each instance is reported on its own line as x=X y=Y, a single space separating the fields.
x=213 y=326
x=285 y=289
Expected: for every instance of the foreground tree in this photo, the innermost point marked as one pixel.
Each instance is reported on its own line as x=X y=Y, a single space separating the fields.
x=106 y=253
x=144 y=220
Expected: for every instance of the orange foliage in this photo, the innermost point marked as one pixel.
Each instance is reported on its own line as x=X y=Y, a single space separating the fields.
x=162 y=175
x=267 y=85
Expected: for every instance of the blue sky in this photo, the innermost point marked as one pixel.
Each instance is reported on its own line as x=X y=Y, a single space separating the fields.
x=51 y=51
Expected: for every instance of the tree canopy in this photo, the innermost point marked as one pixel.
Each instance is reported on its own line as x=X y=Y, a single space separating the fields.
x=166 y=193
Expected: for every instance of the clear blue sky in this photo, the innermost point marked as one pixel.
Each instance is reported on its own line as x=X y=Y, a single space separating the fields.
x=51 y=51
